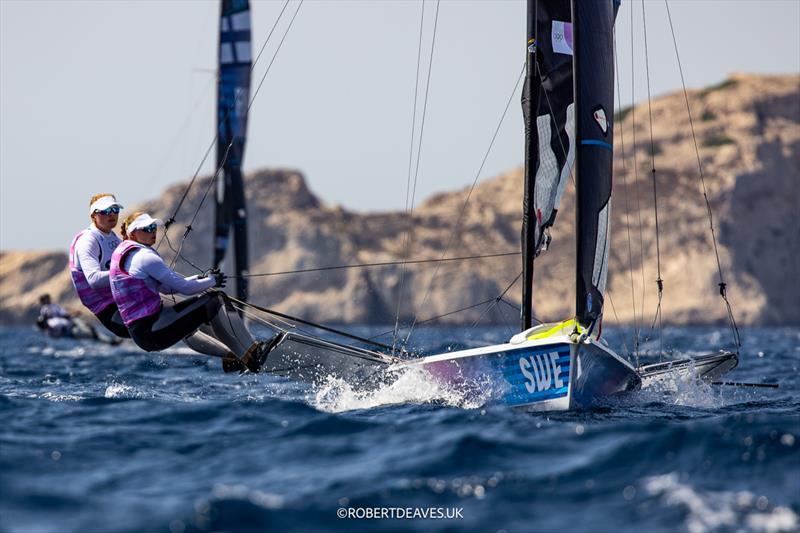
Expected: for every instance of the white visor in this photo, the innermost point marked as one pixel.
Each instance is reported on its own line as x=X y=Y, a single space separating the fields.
x=142 y=221
x=104 y=202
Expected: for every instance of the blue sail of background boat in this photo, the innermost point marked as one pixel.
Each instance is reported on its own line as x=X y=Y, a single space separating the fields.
x=233 y=97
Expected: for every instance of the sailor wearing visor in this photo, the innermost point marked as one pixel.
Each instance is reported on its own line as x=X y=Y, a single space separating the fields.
x=139 y=275
x=90 y=260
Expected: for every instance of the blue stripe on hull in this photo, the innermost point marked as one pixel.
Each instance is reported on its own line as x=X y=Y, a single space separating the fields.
x=521 y=376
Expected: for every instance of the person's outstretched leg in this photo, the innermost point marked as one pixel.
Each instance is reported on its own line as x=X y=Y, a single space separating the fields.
x=206 y=344
x=229 y=327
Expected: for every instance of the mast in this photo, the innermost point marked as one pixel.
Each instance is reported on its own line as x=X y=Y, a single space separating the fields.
x=530 y=99
x=233 y=98
x=593 y=26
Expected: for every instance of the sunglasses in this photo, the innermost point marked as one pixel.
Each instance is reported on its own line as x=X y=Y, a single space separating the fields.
x=114 y=209
x=149 y=229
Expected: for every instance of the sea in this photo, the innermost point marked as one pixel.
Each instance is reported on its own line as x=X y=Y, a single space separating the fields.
x=95 y=438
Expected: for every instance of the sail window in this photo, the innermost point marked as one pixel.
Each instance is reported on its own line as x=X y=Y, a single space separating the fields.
x=241 y=21
x=226 y=53
x=243 y=54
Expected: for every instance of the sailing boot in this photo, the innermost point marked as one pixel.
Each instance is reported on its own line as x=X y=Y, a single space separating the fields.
x=257 y=354
x=231 y=363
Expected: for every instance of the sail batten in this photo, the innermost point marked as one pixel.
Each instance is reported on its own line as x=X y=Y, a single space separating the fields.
x=233 y=94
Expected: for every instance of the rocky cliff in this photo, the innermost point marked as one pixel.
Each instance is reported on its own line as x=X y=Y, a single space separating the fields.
x=748 y=137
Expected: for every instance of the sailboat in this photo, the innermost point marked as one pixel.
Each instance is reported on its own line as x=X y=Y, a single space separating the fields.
x=568 y=102
x=233 y=96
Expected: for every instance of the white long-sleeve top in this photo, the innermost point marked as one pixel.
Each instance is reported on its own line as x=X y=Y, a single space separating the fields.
x=93 y=255
x=146 y=264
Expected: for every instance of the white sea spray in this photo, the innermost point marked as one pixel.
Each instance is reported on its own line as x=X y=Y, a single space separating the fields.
x=715 y=510
x=121 y=390
x=412 y=386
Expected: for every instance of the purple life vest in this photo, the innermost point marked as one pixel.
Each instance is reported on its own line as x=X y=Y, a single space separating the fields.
x=135 y=299
x=94 y=299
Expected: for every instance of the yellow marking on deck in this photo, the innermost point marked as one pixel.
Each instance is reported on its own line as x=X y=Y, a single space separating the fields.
x=556 y=330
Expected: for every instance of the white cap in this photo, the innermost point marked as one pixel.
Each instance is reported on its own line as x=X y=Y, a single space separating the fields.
x=104 y=202
x=142 y=221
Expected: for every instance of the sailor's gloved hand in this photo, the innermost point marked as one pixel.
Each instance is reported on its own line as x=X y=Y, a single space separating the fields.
x=219 y=277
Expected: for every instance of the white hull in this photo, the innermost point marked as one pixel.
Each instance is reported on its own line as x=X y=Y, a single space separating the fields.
x=552 y=374
x=547 y=374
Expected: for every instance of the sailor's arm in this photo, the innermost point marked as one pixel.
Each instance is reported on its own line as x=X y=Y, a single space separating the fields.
x=168 y=280
x=88 y=251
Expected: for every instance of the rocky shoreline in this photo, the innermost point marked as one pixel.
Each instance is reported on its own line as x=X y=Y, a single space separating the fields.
x=749 y=141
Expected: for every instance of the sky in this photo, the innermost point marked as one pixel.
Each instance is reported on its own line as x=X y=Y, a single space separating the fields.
x=119 y=96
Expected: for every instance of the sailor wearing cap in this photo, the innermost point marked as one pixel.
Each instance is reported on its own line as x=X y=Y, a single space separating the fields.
x=139 y=275
x=90 y=260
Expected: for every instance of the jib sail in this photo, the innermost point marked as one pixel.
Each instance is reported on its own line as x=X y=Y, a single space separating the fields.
x=548 y=111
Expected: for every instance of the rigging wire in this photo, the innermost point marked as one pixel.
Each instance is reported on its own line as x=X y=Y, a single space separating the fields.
x=173 y=143
x=379 y=264
x=308 y=323
x=722 y=285
x=659 y=281
x=627 y=203
x=496 y=300
x=466 y=202
x=638 y=332
x=409 y=207
x=621 y=336
x=437 y=317
x=467 y=308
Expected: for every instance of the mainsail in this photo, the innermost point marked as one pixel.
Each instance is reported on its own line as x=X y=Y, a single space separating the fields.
x=554 y=69
x=549 y=140
x=233 y=94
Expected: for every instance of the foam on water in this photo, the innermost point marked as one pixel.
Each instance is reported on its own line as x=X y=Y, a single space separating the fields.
x=56 y=397
x=686 y=391
x=120 y=390
x=712 y=511
x=413 y=386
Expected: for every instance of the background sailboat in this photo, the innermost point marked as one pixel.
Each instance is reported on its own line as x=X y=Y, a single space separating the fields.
x=233 y=98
